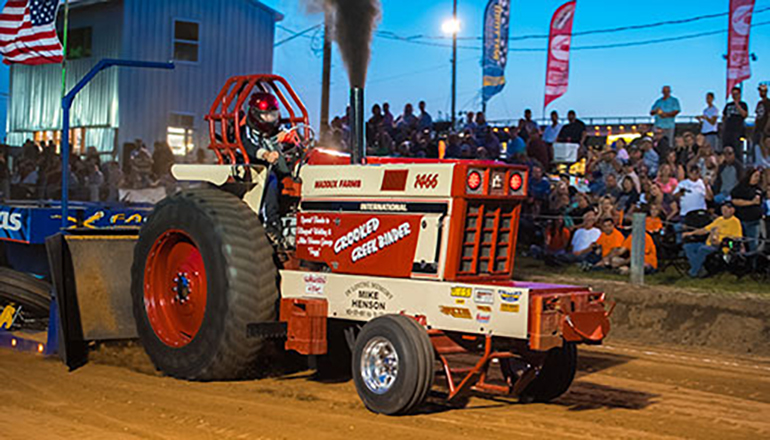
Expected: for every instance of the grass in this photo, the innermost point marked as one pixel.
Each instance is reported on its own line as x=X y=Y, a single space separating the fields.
x=723 y=284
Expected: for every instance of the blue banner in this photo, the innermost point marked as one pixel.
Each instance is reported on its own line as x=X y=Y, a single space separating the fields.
x=496 y=20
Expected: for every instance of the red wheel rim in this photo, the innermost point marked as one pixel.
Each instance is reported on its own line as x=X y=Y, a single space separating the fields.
x=175 y=288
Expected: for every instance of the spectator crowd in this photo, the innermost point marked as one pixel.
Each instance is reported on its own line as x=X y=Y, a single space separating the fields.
x=35 y=172
x=704 y=191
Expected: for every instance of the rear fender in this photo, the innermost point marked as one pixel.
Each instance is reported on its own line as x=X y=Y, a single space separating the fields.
x=251 y=177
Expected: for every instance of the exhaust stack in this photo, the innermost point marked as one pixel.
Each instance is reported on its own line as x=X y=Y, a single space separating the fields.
x=357 y=147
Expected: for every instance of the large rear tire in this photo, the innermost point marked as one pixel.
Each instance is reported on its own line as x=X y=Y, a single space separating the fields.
x=203 y=270
x=393 y=365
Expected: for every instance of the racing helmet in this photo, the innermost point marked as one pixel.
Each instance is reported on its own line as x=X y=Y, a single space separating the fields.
x=264 y=113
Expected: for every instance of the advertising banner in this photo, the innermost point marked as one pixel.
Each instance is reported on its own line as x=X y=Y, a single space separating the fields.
x=559 y=42
x=738 y=68
x=496 y=24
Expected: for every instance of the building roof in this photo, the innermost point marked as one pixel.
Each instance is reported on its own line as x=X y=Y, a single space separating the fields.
x=81 y=3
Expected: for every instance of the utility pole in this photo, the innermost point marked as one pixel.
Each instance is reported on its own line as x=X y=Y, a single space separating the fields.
x=326 y=76
x=454 y=64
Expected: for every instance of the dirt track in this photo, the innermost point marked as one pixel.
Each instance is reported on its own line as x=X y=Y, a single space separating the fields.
x=621 y=392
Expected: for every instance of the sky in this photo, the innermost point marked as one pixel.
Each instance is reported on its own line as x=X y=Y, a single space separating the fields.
x=607 y=82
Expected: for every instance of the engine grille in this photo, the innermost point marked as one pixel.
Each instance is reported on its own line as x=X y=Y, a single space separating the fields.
x=488 y=239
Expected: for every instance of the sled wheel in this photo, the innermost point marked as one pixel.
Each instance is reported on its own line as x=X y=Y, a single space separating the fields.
x=393 y=364
x=32 y=294
x=203 y=270
x=555 y=376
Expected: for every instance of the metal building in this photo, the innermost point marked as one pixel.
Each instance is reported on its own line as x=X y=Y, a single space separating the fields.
x=208 y=40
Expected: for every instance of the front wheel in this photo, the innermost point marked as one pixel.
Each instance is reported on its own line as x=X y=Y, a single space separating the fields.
x=393 y=364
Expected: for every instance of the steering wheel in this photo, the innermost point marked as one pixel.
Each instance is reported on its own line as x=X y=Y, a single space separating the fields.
x=296 y=153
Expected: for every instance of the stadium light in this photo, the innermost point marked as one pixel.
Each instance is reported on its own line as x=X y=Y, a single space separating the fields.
x=451 y=26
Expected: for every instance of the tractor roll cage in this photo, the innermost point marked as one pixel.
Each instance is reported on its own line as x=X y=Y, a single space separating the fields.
x=226 y=116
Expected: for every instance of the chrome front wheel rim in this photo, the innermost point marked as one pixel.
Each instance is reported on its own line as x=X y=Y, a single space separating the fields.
x=379 y=365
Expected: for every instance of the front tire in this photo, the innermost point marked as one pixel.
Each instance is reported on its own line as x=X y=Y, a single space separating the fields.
x=393 y=364
x=203 y=269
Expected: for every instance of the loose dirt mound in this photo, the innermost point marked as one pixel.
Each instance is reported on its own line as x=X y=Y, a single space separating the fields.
x=659 y=315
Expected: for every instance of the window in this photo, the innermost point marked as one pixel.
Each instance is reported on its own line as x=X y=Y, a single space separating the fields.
x=186 y=41
x=79 y=43
x=180 y=133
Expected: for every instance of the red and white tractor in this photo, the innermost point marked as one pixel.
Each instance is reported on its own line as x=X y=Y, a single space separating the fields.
x=389 y=267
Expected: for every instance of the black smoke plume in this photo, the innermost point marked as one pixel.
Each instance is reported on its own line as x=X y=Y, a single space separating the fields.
x=353 y=23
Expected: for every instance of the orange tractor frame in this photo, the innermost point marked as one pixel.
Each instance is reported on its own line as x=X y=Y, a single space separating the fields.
x=389 y=269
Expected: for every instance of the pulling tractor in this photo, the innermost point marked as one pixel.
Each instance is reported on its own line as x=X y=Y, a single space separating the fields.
x=388 y=266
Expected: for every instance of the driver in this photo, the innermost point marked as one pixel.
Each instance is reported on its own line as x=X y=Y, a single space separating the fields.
x=263 y=139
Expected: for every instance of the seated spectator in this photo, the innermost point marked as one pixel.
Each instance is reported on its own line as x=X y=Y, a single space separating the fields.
x=650 y=157
x=654 y=223
x=537 y=149
x=162 y=160
x=516 y=146
x=692 y=192
x=747 y=199
x=677 y=170
x=609 y=240
x=141 y=167
x=584 y=241
x=726 y=226
x=628 y=196
x=728 y=175
x=556 y=240
x=611 y=187
x=621 y=260
x=666 y=180
x=622 y=153
x=596 y=185
x=607 y=209
x=707 y=161
x=629 y=171
x=539 y=185
x=492 y=146
x=689 y=151
x=579 y=207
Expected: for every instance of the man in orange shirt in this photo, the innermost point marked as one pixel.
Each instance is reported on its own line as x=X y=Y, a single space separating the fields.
x=620 y=258
x=610 y=241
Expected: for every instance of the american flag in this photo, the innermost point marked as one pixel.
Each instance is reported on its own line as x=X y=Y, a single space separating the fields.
x=28 y=32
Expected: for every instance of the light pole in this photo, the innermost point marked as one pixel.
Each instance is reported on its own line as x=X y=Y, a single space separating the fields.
x=453 y=27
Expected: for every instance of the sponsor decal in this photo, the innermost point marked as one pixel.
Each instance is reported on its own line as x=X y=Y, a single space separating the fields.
x=483 y=318
x=459 y=301
x=334 y=183
x=10 y=221
x=426 y=181
x=484 y=296
x=314 y=232
x=314 y=284
x=370 y=244
x=384 y=207
x=8 y=317
x=484 y=309
x=367 y=299
x=356 y=235
x=462 y=292
x=456 y=312
x=509 y=308
x=509 y=296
